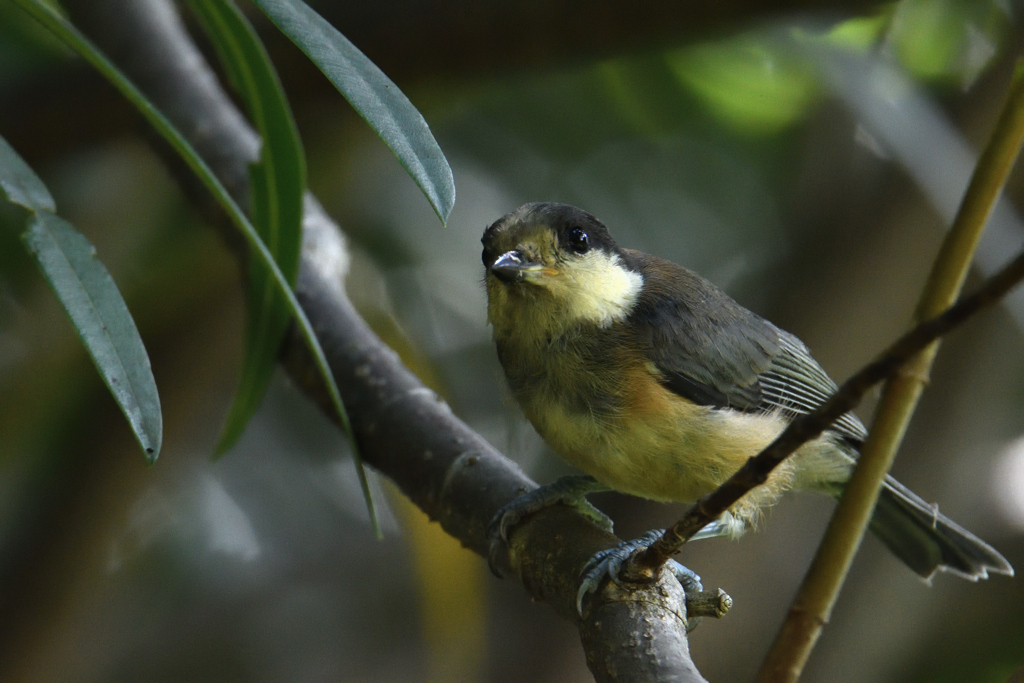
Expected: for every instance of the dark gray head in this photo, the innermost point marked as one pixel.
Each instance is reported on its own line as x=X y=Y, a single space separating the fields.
x=556 y=265
x=561 y=229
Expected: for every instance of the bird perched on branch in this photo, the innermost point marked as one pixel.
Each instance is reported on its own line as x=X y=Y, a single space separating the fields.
x=655 y=383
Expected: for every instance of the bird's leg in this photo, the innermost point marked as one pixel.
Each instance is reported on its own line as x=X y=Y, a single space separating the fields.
x=608 y=563
x=569 y=490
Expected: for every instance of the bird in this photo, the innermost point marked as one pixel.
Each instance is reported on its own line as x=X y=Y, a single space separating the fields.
x=655 y=383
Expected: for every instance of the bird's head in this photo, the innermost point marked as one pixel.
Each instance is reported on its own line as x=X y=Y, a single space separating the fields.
x=553 y=266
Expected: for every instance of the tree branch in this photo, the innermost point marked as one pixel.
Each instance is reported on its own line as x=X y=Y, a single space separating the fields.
x=403 y=428
x=415 y=41
x=457 y=38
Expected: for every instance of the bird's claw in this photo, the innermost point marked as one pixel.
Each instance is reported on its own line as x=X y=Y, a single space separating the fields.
x=570 y=490
x=503 y=521
x=608 y=563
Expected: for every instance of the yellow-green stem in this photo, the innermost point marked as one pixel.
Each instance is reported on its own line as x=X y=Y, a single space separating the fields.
x=813 y=604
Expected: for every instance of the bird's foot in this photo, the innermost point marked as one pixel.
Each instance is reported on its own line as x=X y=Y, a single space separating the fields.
x=569 y=490
x=608 y=563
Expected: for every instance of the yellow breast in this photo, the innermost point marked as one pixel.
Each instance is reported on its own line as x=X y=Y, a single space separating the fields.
x=663 y=447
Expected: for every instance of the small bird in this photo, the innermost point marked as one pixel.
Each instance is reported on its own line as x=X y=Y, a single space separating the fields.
x=656 y=383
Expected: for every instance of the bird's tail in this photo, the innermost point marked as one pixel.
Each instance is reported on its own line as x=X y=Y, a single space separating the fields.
x=928 y=541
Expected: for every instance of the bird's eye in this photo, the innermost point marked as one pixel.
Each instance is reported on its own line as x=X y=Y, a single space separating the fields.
x=578 y=240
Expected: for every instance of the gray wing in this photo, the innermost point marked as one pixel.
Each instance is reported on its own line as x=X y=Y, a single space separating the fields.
x=795 y=384
x=707 y=347
x=712 y=351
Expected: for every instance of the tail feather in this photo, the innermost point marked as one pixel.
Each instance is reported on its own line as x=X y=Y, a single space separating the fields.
x=928 y=541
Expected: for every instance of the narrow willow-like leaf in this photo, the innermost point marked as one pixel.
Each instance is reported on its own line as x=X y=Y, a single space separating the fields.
x=94 y=304
x=374 y=96
x=91 y=299
x=71 y=36
x=20 y=183
x=277 y=183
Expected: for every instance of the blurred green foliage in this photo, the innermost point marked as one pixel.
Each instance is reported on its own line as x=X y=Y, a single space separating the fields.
x=746 y=83
x=948 y=41
x=757 y=86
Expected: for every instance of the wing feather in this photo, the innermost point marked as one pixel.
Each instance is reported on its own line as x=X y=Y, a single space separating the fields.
x=712 y=351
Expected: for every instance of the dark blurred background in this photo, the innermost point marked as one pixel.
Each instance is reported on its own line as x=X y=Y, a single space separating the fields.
x=805 y=158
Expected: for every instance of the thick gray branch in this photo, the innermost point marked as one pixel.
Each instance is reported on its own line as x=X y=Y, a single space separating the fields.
x=404 y=430
x=413 y=38
x=417 y=41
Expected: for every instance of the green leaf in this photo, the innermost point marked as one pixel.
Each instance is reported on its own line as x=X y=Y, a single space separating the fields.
x=374 y=96
x=20 y=183
x=91 y=299
x=277 y=184
x=94 y=304
x=71 y=36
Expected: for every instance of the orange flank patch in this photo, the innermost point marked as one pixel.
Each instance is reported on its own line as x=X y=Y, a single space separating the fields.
x=645 y=395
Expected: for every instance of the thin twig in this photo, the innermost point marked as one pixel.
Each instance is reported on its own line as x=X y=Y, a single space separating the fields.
x=990 y=177
x=813 y=604
x=809 y=426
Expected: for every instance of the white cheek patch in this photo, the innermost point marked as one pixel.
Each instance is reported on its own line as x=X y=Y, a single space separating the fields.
x=597 y=288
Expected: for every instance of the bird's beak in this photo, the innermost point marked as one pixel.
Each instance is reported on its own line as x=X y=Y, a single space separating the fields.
x=513 y=266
